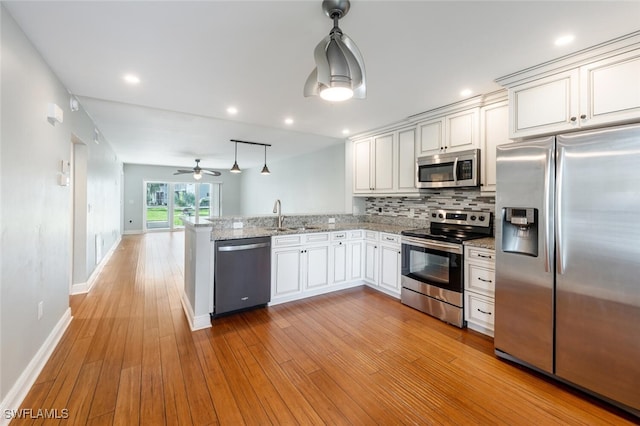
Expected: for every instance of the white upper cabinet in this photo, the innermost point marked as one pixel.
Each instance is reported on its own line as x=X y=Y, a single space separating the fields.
x=385 y=163
x=462 y=130
x=591 y=88
x=547 y=105
x=407 y=161
x=362 y=166
x=611 y=89
x=494 y=131
x=431 y=136
x=450 y=133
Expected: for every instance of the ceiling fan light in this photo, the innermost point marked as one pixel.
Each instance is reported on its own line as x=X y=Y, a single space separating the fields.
x=336 y=94
x=197 y=175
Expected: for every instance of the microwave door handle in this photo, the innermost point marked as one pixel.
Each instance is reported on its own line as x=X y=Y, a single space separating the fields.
x=455 y=171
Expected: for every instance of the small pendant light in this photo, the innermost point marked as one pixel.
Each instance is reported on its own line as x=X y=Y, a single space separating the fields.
x=236 y=168
x=265 y=169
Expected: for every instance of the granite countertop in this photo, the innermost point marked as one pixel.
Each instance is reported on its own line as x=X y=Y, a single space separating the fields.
x=487 y=243
x=252 y=232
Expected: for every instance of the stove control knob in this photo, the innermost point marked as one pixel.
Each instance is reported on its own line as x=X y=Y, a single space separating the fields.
x=473 y=217
x=440 y=216
x=482 y=218
x=434 y=215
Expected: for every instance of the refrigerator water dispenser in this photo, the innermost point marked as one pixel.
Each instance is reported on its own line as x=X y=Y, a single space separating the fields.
x=520 y=231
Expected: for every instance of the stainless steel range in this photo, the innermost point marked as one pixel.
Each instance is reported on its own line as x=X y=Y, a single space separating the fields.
x=433 y=262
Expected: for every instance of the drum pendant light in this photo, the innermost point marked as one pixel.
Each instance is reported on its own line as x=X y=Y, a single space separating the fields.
x=339 y=74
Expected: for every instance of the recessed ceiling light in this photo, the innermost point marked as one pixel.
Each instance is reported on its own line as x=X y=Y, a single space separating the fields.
x=564 y=40
x=465 y=92
x=232 y=110
x=288 y=120
x=131 y=79
x=345 y=131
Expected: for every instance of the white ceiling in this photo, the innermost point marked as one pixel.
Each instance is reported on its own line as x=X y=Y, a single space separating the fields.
x=197 y=58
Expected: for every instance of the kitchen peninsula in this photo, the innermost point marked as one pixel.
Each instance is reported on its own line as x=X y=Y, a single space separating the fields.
x=369 y=242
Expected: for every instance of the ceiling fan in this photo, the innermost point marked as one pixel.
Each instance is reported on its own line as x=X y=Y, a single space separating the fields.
x=198 y=171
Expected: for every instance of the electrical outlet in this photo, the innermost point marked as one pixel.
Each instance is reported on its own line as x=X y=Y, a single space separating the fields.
x=332 y=220
x=40 y=309
x=237 y=225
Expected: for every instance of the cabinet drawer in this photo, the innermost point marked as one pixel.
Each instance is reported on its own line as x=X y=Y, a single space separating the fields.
x=481 y=256
x=389 y=238
x=371 y=235
x=339 y=235
x=319 y=237
x=286 y=240
x=479 y=310
x=481 y=280
x=356 y=235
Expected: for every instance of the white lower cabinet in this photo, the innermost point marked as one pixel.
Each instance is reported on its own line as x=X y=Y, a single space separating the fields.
x=304 y=265
x=479 y=289
x=382 y=262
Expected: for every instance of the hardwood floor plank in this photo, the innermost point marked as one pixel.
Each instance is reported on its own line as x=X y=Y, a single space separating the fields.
x=127 y=410
x=352 y=357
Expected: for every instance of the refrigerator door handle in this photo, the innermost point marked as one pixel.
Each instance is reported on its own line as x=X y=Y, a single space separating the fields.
x=548 y=256
x=558 y=215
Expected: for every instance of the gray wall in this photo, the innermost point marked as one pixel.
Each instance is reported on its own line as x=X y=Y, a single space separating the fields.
x=134 y=195
x=311 y=183
x=35 y=211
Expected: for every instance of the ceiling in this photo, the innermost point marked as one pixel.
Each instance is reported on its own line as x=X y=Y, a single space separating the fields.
x=195 y=59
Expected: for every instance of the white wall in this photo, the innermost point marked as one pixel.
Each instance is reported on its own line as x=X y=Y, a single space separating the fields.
x=134 y=195
x=36 y=212
x=311 y=183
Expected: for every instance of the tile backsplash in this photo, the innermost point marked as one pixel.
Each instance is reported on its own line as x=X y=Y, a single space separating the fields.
x=418 y=207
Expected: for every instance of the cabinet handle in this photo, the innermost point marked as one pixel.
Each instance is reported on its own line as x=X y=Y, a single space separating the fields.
x=485 y=281
x=484 y=256
x=573 y=119
x=583 y=116
x=389 y=238
x=486 y=313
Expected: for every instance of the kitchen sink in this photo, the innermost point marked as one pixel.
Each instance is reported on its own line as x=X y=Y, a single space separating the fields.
x=305 y=228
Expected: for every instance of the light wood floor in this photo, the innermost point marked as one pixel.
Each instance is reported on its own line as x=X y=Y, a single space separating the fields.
x=352 y=357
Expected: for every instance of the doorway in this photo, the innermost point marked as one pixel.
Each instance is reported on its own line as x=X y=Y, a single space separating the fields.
x=167 y=202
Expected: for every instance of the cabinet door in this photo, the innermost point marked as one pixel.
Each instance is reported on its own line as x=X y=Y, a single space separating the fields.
x=610 y=90
x=543 y=106
x=390 y=267
x=339 y=262
x=371 y=262
x=286 y=271
x=431 y=137
x=384 y=159
x=355 y=260
x=494 y=132
x=362 y=166
x=407 y=161
x=462 y=130
x=316 y=266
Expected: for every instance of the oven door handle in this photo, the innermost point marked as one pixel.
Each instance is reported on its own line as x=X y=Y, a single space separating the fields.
x=434 y=245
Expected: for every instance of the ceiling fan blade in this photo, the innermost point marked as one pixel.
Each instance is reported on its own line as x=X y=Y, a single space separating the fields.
x=182 y=172
x=211 y=172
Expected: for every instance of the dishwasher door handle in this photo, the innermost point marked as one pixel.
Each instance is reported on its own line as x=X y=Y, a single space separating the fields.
x=244 y=247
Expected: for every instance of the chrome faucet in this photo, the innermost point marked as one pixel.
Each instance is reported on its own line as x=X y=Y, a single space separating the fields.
x=277 y=208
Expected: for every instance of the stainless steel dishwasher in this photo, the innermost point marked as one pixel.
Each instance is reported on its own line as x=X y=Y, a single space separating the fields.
x=242 y=274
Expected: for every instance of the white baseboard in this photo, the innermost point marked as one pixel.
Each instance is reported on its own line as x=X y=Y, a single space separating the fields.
x=133 y=232
x=81 y=288
x=195 y=322
x=21 y=388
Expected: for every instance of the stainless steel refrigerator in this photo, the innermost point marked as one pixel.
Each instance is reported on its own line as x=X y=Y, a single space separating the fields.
x=568 y=259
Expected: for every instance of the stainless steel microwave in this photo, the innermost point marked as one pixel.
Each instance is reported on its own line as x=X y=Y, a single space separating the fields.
x=449 y=170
